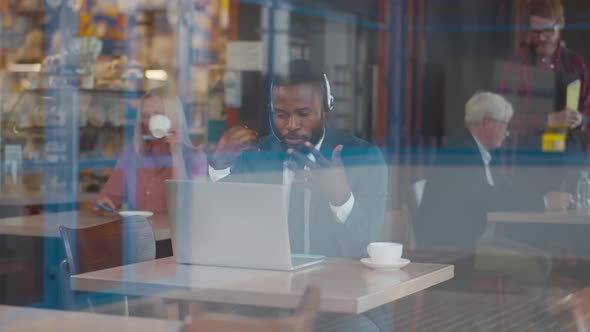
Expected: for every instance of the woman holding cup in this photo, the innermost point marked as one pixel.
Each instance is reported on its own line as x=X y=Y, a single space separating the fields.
x=161 y=150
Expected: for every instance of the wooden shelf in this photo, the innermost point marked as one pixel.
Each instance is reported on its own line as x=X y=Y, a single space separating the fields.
x=30 y=166
x=30 y=12
x=122 y=93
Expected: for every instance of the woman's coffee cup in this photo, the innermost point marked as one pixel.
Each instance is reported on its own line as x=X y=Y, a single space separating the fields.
x=385 y=252
x=159 y=125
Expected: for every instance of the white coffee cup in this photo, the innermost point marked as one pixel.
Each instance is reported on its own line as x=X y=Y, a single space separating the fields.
x=159 y=125
x=385 y=252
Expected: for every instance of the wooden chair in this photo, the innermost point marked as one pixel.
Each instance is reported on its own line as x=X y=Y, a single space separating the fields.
x=127 y=241
x=302 y=321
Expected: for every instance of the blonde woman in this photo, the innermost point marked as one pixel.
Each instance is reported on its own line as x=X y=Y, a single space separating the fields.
x=142 y=169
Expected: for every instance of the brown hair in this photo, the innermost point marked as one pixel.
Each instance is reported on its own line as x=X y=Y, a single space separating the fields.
x=552 y=9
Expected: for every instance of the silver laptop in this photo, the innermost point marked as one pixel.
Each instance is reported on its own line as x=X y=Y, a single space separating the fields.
x=232 y=224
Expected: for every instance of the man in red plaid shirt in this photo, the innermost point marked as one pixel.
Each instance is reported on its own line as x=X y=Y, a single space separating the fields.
x=536 y=82
x=536 y=79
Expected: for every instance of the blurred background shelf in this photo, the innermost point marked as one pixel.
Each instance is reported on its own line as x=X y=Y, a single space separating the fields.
x=113 y=92
x=83 y=164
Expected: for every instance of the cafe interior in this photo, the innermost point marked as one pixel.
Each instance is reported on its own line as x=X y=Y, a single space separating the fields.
x=294 y=165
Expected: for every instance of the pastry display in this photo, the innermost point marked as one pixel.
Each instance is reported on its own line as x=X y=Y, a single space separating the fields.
x=118 y=73
x=109 y=74
x=32 y=50
x=29 y=5
x=164 y=52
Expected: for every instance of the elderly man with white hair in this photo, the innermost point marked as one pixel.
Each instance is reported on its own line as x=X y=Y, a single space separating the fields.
x=487 y=116
x=463 y=187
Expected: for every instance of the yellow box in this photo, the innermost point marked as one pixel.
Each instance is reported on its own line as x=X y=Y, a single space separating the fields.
x=554 y=142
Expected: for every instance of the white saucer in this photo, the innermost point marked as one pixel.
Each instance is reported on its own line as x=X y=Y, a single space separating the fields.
x=386 y=267
x=146 y=214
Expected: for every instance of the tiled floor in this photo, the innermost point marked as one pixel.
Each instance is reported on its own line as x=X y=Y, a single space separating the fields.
x=447 y=310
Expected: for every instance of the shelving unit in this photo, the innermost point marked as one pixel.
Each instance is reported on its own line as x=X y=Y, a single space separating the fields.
x=38 y=132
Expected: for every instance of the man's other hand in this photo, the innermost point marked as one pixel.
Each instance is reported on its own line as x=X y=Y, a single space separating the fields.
x=231 y=145
x=326 y=176
x=558 y=200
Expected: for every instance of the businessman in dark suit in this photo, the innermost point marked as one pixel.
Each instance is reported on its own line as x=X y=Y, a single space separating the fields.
x=335 y=183
x=344 y=177
x=464 y=187
x=461 y=188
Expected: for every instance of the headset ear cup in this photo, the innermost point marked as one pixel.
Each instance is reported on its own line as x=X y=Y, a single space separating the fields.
x=329 y=97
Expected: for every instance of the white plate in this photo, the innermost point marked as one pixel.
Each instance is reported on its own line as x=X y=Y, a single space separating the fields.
x=146 y=214
x=386 y=267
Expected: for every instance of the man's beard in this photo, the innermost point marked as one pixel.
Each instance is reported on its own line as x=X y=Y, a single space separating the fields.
x=543 y=52
x=316 y=135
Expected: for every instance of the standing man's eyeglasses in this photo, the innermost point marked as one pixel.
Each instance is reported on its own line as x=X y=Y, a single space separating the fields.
x=546 y=32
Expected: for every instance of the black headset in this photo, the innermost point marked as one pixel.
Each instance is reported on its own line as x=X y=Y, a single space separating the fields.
x=328 y=102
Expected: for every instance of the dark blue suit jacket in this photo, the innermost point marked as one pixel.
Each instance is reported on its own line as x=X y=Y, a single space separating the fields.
x=367 y=176
x=457 y=197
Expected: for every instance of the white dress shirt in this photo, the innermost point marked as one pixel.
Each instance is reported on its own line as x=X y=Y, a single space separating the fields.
x=487 y=158
x=490 y=230
x=341 y=212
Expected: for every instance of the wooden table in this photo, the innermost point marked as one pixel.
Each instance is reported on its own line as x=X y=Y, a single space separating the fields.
x=47 y=224
x=347 y=286
x=20 y=319
x=568 y=250
x=540 y=217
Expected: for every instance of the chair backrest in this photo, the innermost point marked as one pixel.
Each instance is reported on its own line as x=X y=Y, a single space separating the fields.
x=398 y=223
x=418 y=191
x=127 y=241
x=302 y=321
x=396 y=226
x=414 y=199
